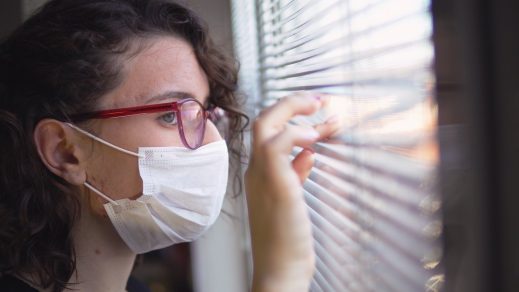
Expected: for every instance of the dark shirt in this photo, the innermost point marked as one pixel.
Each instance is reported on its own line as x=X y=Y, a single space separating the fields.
x=9 y=283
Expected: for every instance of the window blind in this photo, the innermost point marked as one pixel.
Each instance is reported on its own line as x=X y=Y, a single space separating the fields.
x=372 y=194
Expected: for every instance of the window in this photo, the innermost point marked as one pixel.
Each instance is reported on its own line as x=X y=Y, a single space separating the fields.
x=372 y=194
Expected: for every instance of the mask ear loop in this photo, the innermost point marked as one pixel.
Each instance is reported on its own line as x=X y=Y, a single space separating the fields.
x=93 y=189
x=104 y=142
x=89 y=186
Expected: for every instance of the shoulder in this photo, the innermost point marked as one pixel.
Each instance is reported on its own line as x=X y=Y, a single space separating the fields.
x=9 y=283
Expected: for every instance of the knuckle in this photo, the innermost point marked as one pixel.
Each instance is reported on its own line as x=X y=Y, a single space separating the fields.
x=290 y=131
x=263 y=113
x=270 y=149
x=257 y=125
x=248 y=175
x=291 y=99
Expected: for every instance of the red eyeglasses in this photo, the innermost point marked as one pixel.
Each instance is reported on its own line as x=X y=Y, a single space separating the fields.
x=190 y=115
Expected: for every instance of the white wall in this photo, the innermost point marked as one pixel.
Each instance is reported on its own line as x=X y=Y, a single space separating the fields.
x=220 y=257
x=29 y=6
x=217 y=13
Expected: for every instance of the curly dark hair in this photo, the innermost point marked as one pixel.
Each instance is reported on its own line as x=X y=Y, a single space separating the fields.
x=57 y=64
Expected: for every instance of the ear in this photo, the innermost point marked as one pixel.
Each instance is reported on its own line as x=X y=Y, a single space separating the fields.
x=58 y=147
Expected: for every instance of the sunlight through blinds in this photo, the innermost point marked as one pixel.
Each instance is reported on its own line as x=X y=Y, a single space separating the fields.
x=372 y=194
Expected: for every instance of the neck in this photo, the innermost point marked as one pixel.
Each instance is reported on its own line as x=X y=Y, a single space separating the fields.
x=104 y=261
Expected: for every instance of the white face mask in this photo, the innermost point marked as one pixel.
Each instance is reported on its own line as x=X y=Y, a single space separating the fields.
x=183 y=192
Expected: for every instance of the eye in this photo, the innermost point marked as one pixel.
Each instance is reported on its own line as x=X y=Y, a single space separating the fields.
x=169 y=118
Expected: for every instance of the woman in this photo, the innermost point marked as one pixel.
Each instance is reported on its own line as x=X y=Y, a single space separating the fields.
x=110 y=148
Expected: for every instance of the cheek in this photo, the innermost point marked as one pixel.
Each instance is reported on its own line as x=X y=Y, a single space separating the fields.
x=116 y=174
x=211 y=133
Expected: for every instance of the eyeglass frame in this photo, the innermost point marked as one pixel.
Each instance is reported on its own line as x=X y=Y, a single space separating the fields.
x=174 y=106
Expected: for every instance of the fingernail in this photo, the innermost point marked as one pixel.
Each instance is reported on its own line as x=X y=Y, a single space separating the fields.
x=332 y=119
x=316 y=98
x=312 y=134
x=310 y=150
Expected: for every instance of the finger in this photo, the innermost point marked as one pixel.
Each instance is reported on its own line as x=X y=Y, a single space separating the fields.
x=292 y=135
x=296 y=96
x=329 y=128
x=272 y=119
x=302 y=164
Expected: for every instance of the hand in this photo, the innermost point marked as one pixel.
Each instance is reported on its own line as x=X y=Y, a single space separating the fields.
x=282 y=245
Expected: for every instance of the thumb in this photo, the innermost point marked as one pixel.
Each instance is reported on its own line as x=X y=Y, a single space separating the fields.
x=302 y=164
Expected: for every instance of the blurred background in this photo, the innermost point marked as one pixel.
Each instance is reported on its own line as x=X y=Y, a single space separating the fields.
x=419 y=191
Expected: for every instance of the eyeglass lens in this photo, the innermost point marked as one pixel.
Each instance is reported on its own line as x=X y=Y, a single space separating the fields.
x=193 y=123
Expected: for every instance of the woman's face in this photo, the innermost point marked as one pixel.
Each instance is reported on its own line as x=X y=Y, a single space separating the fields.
x=161 y=73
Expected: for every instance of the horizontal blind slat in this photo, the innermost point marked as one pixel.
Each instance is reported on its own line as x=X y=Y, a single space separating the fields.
x=287 y=27
x=284 y=45
x=370 y=195
x=344 y=224
x=378 y=159
x=345 y=184
x=321 y=281
x=357 y=78
x=332 y=10
x=381 y=206
x=314 y=286
x=323 y=55
x=269 y=17
x=343 y=255
x=390 y=228
x=328 y=275
x=332 y=231
x=336 y=262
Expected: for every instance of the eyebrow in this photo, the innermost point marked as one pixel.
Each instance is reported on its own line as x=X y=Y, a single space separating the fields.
x=167 y=95
x=172 y=95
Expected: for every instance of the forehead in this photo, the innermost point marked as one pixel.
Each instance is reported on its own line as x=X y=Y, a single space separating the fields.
x=166 y=64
